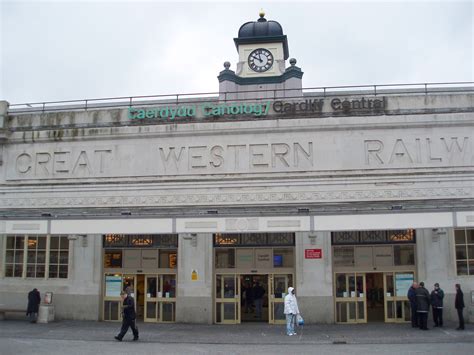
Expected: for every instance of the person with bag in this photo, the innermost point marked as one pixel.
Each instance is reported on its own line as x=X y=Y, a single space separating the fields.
x=291 y=311
x=129 y=315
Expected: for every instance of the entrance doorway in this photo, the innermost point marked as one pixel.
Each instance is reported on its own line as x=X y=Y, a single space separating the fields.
x=254 y=298
x=375 y=297
x=235 y=300
x=154 y=294
x=368 y=296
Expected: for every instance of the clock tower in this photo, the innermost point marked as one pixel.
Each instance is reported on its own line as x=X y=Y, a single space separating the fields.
x=261 y=70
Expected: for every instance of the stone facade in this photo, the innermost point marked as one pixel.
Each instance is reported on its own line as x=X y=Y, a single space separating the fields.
x=308 y=165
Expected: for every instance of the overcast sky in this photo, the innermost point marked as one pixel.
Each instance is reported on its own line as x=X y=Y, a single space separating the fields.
x=82 y=49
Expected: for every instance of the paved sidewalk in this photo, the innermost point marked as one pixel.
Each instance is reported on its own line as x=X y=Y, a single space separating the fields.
x=253 y=333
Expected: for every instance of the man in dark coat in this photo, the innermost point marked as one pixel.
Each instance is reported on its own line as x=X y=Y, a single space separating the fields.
x=412 y=298
x=129 y=315
x=459 y=305
x=34 y=300
x=437 y=296
x=258 y=292
x=422 y=305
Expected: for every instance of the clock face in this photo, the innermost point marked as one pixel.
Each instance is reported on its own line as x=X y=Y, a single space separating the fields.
x=260 y=60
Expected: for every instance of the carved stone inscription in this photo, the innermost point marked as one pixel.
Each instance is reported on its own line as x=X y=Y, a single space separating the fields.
x=308 y=151
x=236 y=157
x=417 y=151
x=63 y=163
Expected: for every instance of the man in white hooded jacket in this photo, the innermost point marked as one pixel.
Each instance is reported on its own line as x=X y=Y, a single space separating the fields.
x=291 y=310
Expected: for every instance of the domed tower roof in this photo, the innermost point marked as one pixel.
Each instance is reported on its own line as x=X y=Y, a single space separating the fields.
x=262 y=31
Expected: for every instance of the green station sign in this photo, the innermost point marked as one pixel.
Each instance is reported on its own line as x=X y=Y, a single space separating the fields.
x=203 y=110
x=259 y=109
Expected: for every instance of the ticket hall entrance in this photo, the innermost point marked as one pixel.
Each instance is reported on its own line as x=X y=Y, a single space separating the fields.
x=252 y=275
x=373 y=272
x=146 y=265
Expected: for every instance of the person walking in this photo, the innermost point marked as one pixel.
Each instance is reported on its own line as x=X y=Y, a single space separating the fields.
x=459 y=305
x=422 y=305
x=291 y=311
x=437 y=296
x=34 y=300
x=258 y=292
x=412 y=298
x=129 y=315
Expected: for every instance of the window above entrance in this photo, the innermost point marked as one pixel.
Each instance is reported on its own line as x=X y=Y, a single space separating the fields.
x=140 y=241
x=254 y=239
x=373 y=237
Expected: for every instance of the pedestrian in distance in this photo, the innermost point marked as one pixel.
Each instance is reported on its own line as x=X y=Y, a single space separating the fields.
x=34 y=300
x=437 y=296
x=128 y=315
x=422 y=305
x=258 y=292
x=412 y=298
x=459 y=305
x=291 y=311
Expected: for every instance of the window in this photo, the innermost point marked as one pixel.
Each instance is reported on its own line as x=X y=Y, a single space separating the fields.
x=113 y=259
x=36 y=260
x=404 y=254
x=225 y=258
x=26 y=256
x=283 y=257
x=168 y=259
x=58 y=257
x=464 y=243
x=14 y=256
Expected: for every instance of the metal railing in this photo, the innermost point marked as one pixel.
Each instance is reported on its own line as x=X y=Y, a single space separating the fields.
x=189 y=98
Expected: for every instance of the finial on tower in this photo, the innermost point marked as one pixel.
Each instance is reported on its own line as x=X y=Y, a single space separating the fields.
x=261 y=13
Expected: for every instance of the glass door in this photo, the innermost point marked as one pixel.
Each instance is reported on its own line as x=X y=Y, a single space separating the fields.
x=351 y=304
x=160 y=298
x=397 y=306
x=114 y=284
x=278 y=287
x=227 y=296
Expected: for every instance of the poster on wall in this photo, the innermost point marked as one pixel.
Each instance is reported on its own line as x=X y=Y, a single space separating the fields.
x=403 y=283
x=113 y=285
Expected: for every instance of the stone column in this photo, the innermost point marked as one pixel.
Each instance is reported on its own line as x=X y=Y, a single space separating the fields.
x=194 y=285
x=314 y=288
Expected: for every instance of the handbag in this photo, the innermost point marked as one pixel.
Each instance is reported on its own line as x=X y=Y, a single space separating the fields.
x=299 y=320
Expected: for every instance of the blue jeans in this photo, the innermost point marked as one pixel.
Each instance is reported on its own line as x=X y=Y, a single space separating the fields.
x=290 y=323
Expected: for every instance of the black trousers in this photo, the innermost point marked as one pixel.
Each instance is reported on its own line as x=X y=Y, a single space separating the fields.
x=423 y=320
x=126 y=323
x=460 y=317
x=414 y=316
x=438 y=316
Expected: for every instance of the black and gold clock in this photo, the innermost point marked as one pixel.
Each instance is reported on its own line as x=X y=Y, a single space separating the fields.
x=260 y=60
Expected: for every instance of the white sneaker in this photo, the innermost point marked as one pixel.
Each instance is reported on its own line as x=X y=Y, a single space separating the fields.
x=290 y=334
x=294 y=334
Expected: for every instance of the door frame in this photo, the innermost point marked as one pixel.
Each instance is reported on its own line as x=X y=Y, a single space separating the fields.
x=351 y=298
x=159 y=301
x=222 y=301
x=402 y=299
